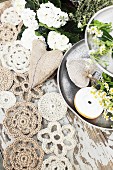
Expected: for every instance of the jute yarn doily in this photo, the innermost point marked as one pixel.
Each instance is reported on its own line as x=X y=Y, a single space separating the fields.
x=55 y=163
x=7 y=99
x=23 y=119
x=21 y=88
x=23 y=154
x=6 y=79
x=52 y=106
x=10 y=16
x=16 y=57
x=8 y=33
x=56 y=139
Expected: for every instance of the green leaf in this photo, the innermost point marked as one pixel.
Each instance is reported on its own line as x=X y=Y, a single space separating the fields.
x=57 y=3
x=30 y=4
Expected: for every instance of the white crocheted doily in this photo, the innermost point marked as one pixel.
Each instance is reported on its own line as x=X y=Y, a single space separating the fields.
x=10 y=16
x=55 y=163
x=16 y=57
x=52 y=106
x=56 y=139
x=7 y=99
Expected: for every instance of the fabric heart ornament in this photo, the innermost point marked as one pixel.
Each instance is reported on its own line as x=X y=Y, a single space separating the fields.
x=43 y=63
x=80 y=71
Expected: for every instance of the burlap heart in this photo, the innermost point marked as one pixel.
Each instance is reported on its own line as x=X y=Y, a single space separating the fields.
x=43 y=63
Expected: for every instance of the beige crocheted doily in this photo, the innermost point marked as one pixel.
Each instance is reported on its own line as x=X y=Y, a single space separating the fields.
x=23 y=154
x=21 y=88
x=22 y=120
x=56 y=139
x=10 y=16
x=8 y=33
x=52 y=106
x=6 y=79
x=55 y=163
x=15 y=57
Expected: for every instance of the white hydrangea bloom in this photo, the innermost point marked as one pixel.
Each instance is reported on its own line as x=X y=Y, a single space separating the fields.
x=27 y=38
x=58 y=41
x=28 y=17
x=19 y=5
x=51 y=16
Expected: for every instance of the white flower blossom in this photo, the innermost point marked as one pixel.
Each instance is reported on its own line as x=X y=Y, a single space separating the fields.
x=79 y=25
x=99 y=33
x=27 y=38
x=92 y=30
x=102 y=49
x=28 y=17
x=51 y=16
x=19 y=5
x=58 y=41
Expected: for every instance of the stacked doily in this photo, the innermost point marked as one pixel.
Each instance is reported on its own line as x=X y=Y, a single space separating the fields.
x=30 y=118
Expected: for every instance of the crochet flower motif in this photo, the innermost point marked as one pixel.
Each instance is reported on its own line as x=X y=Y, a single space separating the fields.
x=21 y=89
x=23 y=154
x=53 y=162
x=22 y=119
x=56 y=139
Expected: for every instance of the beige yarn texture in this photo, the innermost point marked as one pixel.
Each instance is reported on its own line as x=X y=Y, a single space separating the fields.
x=56 y=163
x=10 y=16
x=52 y=106
x=56 y=139
x=23 y=119
x=16 y=57
x=8 y=33
x=23 y=154
x=6 y=79
x=21 y=88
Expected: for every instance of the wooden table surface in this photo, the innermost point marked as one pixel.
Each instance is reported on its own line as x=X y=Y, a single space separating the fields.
x=94 y=147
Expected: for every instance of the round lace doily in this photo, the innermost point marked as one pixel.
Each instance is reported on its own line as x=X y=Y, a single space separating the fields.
x=52 y=106
x=21 y=88
x=8 y=33
x=55 y=163
x=56 y=139
x=23 y=154
x=22 y=120
x=6 y=79
x=10 y=16
x=16 y=57
x=7 y=99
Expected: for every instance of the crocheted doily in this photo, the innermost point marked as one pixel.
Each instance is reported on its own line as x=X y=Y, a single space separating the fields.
x=21 y=88
x=10 y=16
x=6 y=79
x=56 y=139
x=55 y=163
x=16 y=57
x=23 y=154
x=8 y=33
x=7 y=99
x=52 y=106
x=22 y=120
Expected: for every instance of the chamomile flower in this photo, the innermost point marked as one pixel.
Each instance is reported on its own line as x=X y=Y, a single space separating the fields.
x=111 y=91
x=106 y=86
x=93 y=30
x=102 y=49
